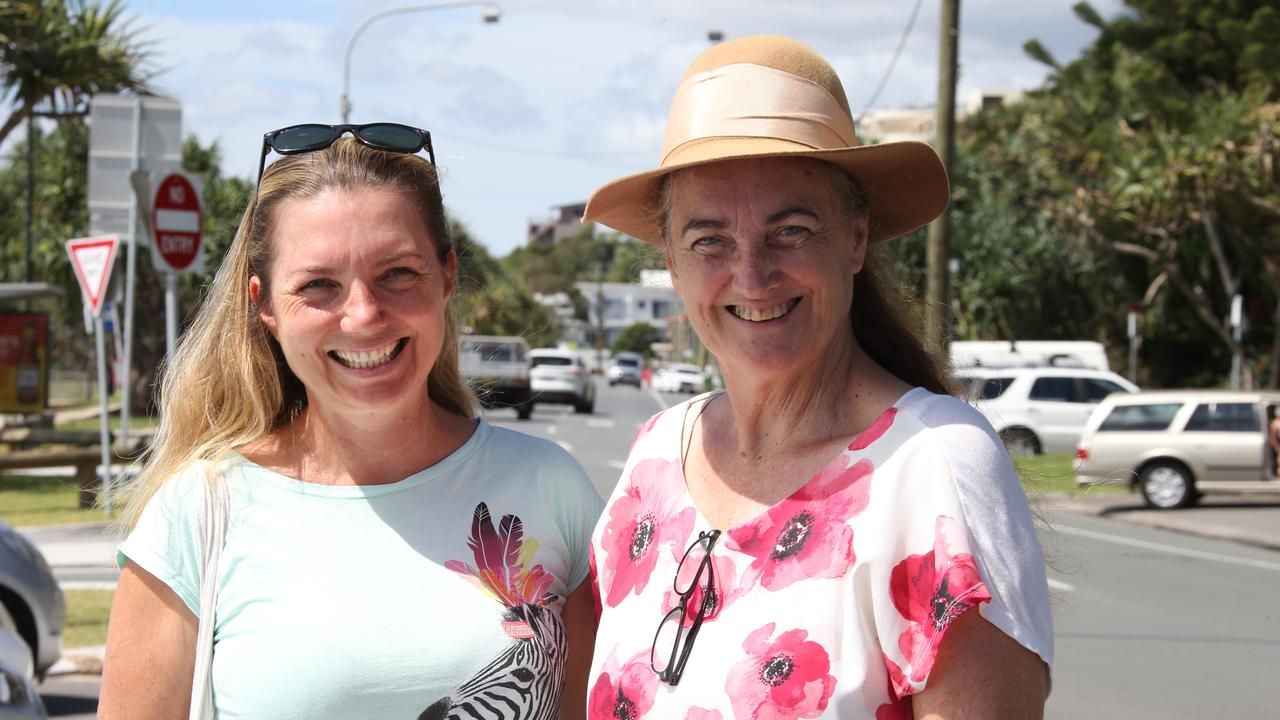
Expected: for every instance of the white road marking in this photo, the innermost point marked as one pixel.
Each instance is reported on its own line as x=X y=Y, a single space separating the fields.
x=567 y=447
x=600 y=423
x=657 y=397
x=617 y=465
x=1059 y=585
x=1184 y=552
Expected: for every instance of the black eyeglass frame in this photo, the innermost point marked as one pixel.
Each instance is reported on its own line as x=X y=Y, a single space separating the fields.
x=674 y=669
x=270 y=139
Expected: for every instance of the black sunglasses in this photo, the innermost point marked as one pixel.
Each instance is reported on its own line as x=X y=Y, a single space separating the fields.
x=391 y=137
x=673 y=622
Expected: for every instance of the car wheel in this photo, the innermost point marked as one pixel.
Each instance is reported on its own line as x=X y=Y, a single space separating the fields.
x=1020 y=441
x=524 y=411
x=1167 y=485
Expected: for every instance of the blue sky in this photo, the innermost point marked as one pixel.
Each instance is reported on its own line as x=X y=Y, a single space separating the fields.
x=560 y=95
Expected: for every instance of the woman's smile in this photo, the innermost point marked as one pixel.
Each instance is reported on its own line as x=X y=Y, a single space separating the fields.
x=369 y=359
x=766 y=314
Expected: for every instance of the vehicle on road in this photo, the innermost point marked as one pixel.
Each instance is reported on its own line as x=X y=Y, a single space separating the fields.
x=1176 y=445
x=1041 y=408
x=559 y=376
x=678 y=377
x=497 y=368
x=625 y=368
x=18 y=695
x=31 y=602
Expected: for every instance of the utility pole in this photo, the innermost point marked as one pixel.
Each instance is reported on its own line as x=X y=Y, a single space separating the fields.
x=938 y=305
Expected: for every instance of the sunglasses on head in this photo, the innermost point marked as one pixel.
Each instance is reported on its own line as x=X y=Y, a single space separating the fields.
x=298 y=139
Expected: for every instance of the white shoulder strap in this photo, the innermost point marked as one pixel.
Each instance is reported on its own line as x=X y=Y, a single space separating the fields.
x=212 y=522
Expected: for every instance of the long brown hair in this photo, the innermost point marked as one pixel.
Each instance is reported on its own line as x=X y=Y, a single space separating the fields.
x=227 y=383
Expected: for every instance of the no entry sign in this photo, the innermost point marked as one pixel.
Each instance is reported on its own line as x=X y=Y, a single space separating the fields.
x=178 y=220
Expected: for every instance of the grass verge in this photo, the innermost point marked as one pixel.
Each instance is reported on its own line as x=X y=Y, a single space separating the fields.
x=43 y=500
x=87 y=612
x=1055 y=474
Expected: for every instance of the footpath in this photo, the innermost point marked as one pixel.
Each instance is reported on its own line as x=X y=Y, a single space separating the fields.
x=83 y=556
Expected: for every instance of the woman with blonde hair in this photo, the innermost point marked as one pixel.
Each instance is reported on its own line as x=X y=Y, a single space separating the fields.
x=833 y=535
x=385 y=554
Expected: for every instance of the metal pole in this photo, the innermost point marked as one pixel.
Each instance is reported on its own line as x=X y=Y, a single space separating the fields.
x=31 y=188
x=937 y=310
x=491 y=15
x=105 y=430
x=130 y=280
x=1133 y=347
x=170 y=313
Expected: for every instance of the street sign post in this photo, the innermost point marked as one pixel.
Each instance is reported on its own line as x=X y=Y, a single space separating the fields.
x=177 y=219
x=128 y=133
x=177 y=232
x=92 y=259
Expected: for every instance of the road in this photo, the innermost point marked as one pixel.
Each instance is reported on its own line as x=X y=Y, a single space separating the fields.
x=1149 y=623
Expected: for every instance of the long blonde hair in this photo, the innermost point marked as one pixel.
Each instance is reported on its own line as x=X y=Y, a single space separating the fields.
x=227 y=383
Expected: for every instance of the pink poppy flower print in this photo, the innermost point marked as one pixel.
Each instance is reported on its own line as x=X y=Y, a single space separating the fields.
x=642 y=520
x=931 y=591
x=808 y=534
x=623 y=691
x=723 y=591
x=644 y=429
x=874 y=431
x=780 y=678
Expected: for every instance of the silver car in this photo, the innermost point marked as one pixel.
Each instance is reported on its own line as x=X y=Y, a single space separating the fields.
x=559 y=376
x=30 y=600
x=1176 y=445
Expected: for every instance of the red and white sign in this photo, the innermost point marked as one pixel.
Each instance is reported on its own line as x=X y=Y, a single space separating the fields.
x=177 y=219
x=92 y=258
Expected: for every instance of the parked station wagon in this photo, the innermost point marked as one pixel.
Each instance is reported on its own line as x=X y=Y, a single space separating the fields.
x=1176 y=445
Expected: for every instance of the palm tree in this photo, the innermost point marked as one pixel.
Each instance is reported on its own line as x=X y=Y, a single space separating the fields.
x=59 y=54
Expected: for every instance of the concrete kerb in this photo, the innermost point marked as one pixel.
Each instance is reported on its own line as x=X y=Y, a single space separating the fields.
x=79 y=661
x=1202 y=521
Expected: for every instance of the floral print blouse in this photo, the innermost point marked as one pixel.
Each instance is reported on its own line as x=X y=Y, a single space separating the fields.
x=832 y=603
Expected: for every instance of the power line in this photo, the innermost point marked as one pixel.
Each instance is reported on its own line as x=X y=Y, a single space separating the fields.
x=902 y=42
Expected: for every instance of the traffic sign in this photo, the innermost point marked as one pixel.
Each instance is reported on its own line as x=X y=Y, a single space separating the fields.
x=177 y=221
x=92 y=259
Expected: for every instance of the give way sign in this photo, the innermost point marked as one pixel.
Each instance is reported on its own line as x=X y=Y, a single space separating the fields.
x=177 y=218
x=92 y=259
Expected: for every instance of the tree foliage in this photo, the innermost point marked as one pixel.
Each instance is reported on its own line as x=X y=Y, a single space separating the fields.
x=635 y=338
x=1143 y=173
x=55 y=55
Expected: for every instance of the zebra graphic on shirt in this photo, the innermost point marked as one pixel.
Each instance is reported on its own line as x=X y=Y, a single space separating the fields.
x=525 y=681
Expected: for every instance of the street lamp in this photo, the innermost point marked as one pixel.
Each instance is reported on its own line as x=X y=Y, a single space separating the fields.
x=491 y=14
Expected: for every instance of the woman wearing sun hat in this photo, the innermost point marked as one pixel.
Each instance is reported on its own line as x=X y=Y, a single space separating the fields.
x=833 y=535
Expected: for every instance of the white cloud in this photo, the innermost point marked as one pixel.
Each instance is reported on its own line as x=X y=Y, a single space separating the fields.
x=560 y=95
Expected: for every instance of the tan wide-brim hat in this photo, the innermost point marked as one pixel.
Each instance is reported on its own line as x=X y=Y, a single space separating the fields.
x=770 y=96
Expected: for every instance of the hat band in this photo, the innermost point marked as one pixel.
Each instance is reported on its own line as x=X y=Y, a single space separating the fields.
x=749 y=100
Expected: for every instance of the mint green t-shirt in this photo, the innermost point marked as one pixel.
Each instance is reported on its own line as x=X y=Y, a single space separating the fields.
x=429 y=597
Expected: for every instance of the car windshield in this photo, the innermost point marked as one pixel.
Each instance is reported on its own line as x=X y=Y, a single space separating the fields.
x=1136 y=418
x=494 y=352
x=550 y=360
x=626 y=362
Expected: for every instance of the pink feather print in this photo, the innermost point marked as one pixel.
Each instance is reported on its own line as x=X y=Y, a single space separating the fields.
x=497 y=556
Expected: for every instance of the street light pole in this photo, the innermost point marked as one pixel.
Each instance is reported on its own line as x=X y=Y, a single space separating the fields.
x=491 y=14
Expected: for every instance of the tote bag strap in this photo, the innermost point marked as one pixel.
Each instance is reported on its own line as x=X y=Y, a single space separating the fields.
x=212 y=522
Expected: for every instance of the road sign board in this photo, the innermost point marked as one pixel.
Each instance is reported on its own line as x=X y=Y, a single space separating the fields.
x=177 y=221
x=92 y=259
x=121 y=126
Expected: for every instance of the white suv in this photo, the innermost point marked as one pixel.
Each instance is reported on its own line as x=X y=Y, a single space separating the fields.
x=1040 y=409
